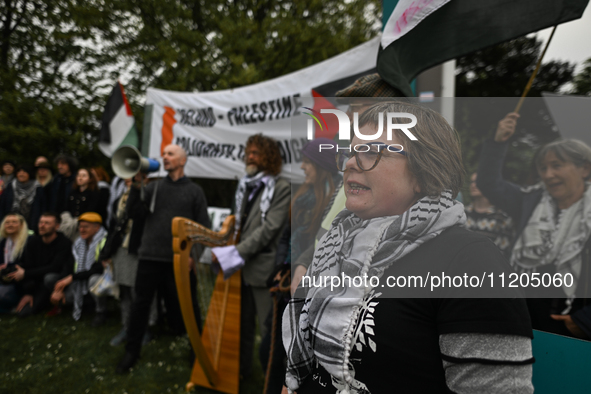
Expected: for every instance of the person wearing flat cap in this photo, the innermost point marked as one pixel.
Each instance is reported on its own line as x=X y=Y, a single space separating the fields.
x=76 y=280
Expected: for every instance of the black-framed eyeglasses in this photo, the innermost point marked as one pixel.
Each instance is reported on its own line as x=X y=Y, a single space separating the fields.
x=367 y=155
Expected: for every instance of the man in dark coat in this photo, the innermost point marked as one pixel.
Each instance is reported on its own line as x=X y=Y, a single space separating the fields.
x=175 y=195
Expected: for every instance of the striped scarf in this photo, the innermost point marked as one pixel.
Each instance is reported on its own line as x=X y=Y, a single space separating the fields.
x=319 y=326
x=24 y=194
x=554 y=236
x=253 y=183
x=84 y=257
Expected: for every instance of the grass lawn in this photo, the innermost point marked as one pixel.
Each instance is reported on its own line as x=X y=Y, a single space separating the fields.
x=58 y=355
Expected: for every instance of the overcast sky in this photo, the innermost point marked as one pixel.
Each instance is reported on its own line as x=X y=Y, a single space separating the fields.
x=571 y=42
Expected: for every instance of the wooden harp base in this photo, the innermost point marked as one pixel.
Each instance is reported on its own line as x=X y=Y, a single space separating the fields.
x=229 y=352
x=217 y=350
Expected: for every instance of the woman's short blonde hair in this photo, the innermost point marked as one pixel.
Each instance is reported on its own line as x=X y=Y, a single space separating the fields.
x=435 y=158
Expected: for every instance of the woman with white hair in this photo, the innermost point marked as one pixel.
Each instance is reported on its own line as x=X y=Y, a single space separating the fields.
x=553 y=222
x=13 y=237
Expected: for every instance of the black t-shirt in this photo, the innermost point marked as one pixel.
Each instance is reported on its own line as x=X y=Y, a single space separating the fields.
x=396 y=346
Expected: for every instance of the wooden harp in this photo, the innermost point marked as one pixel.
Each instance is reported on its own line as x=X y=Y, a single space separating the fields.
x=217 y=349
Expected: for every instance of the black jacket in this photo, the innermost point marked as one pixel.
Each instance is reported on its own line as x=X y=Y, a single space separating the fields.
x=116 y=234
x=60 y=191
x=40 y=259
x=81 y=202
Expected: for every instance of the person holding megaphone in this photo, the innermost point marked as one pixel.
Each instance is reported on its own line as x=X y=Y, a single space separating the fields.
x=159 y=202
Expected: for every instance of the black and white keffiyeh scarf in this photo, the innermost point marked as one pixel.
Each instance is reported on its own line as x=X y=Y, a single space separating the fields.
x=24 y=194
x=84 y=257
x=252 y=183
x=320 y=325
x=554 y=236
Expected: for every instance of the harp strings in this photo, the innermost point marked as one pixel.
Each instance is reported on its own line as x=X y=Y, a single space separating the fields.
x=206 y=284
x=205 y=289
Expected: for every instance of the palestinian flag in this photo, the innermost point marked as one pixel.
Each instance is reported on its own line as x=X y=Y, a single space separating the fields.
x=118 y=125
x=323 y=99
x=423 y=33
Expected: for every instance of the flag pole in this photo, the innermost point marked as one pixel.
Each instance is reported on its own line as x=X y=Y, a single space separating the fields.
x=533 y=76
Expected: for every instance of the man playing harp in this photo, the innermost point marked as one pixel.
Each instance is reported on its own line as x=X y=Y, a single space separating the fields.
x=175 y=195
x=262 y=203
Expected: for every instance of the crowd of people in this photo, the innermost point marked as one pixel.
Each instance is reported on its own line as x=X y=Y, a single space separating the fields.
x=377 y=212
x=50 y=224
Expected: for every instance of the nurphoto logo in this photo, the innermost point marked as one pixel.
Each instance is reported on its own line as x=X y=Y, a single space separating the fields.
x=345 y=124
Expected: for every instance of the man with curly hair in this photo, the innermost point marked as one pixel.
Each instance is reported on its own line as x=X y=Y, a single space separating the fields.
x=262 y=204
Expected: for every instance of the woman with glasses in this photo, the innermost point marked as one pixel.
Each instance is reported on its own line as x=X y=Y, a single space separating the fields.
x=401 y=219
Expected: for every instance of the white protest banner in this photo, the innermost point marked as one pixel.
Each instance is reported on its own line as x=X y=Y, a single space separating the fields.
x=213 y=126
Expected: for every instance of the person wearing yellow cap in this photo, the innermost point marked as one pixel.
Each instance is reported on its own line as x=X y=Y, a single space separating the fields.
x=76 y=279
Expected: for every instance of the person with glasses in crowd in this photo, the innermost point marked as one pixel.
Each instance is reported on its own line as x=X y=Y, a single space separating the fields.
x=401 y=218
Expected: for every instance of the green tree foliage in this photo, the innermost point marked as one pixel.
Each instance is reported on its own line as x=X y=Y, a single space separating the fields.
x=211 y=45
x=60 y=58
x=47 y=76
x=582 y=81
x=503 y=71
x=488 y=79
